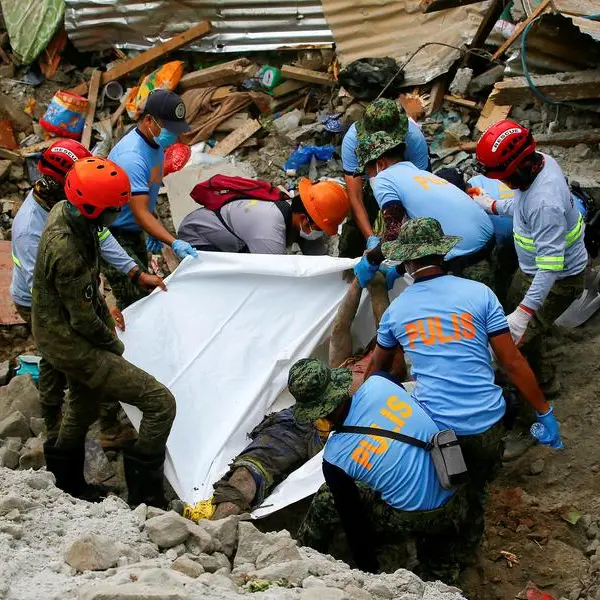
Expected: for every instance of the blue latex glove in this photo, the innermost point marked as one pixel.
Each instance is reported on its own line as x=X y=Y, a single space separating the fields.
x=550 y=436
x=183 y=249
x=373 y=241
x=391 y=274
x=365 y=272
x=153 y=245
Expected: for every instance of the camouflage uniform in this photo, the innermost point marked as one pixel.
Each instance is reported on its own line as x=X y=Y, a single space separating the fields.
x=125 y=291
x=74 y=332
x=380 y=115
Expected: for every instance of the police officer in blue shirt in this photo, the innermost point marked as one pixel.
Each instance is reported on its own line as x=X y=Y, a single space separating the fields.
x=399 y=495
x=445 y=325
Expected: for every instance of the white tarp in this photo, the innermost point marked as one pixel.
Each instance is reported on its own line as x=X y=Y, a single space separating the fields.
x=223 y=339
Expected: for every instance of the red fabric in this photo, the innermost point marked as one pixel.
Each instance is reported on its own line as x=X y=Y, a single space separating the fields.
x=176 y=157
x=221 y=189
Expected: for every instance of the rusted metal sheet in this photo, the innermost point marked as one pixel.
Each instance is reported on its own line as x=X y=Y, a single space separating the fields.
x=238 y=25
x=576 y=11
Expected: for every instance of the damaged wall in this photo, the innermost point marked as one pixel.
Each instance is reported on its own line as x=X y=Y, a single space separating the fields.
x=238 y=25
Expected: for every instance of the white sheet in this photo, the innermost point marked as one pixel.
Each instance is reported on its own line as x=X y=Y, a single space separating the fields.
x=223 y=339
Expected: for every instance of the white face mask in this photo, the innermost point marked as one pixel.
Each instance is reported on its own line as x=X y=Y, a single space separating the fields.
x=410 y=277
x=312 y=236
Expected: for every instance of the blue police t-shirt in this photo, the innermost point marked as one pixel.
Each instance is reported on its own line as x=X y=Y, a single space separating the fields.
x=423 y=194
x=417 y=151
x=443 y=324
x=143 y=164
x=403 y=474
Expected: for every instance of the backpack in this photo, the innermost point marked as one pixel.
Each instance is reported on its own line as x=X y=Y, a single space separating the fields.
x=221 y=189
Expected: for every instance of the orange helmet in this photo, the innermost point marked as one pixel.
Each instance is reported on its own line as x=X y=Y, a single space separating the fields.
x=95 y=184
x=326 y=203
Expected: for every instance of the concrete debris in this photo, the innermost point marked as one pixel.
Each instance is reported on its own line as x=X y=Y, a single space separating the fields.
x=461 y=81
x=186 y=565
x=224 y=534
x=167 y=530
x=32 y=454
x=92 y=553
x=20 y=395
x=15 y=425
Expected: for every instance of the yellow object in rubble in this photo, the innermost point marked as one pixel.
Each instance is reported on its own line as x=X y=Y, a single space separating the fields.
x=202 y=510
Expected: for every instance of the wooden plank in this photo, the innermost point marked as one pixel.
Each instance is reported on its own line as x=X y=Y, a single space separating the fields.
x=436 y=96
x=296 y=73
x=428 y=6
x=150 y=55
x=518 y=31
x=485 y=27
x=287 y=87
x=235 y=139
x=6 y=154
x=470 y=104
x=234 y=122
x=490 y=114
x=577 y=85
x=86 y=138
x=233 y=71
x=35 y=148
x=120 y=110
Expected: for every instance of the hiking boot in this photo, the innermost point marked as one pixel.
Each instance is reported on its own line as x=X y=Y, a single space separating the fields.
x=144 y=477
x=67 y=467
x=117 y=436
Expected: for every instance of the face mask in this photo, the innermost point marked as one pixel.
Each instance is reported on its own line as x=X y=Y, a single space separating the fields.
x=410 y=277
x=312 y=236
x=165 y=138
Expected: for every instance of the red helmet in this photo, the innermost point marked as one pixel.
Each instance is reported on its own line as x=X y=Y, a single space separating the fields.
x=502 y=147
x=95 y=184
x=57 y=160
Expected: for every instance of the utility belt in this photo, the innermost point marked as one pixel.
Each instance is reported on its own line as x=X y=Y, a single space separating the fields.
x=443 y=447
x=460 y=263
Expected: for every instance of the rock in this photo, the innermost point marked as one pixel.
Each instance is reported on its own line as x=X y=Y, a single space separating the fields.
x=354 y=113
x=379 y=589
x=9 y=458
x=149 y=550
x=37 y=425
x=593 y=531
x=585 y=521
x=17 y=173
x=293 y=572
x=486 y=79
x=537 y=466
x=212 y=563
x=92 y=553
x=140 y=513
x=15 y=531
x=4 y=365
x=198 y=541
x=218 y=582
x=12 y=501
x=461 y=81
x=251 y=542
x=283 y=550
x=32 y=455
x=22 y=395
x=188 y=567
x=13 y=515
x=591 y=548
x=575 y=593
x=15 y=425
x=167 y=530
x=317 y=593
x=313 y=582
x=41 y=480
x=4 y=169
x=132 y=591
x=356 y=593
x=153 y=511
x=224 y=533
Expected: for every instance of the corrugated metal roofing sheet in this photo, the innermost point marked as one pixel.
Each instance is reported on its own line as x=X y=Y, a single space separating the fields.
x=238 y=25
x=576 y=10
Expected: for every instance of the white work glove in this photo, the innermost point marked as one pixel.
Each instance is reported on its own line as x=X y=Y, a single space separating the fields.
x=483 y=199
x=518 y=322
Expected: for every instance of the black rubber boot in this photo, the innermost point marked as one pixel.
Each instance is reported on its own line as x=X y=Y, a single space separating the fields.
x=67 y=467
x=144 y=477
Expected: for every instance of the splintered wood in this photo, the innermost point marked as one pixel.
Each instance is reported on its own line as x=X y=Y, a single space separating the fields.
x=236 y=138
x=490 y=114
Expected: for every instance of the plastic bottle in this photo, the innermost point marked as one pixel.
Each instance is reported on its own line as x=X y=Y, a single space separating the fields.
x=540 y=434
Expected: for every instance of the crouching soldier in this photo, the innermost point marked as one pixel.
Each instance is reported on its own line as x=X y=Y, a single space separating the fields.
x=75 y=333
x=382 y=490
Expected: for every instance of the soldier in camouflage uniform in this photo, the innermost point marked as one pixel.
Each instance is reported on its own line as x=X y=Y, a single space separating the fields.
x=75 y=333
x=381 y=491
x=381 y=115
x=450 y=362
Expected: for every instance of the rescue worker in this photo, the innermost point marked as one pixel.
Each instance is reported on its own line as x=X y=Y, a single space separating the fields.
x=403 y=191
x=141 y=154
x=444 y=325
x=380 y=115
x=548 y=231
x=75 y=333
x=399 y=495
x=54 y=164
x=265 y=227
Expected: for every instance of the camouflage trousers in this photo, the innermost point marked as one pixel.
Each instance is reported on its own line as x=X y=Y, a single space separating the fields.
x=483 y=456
x=117 y=380
x=352 y=241
x=52 y=384
x=436 y=533
x=125 y=291
x=542 y=327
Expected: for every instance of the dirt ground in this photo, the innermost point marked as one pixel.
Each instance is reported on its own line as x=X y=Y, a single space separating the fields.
x=526 y=512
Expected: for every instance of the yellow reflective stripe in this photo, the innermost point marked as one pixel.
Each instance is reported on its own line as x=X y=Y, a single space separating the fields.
x=102 y=235
x=550 y=263
x=16 y=260
x=525 y=243
x=575 y=233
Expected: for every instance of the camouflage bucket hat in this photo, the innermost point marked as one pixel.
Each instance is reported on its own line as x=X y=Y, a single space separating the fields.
x=383 y=115
x=418 y=238
x=318 y=389
x=374 y=145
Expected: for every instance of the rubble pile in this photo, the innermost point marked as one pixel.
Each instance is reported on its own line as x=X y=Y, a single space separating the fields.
x=54 y=546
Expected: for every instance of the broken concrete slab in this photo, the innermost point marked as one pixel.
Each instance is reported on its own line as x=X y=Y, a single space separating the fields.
x=92 y=552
